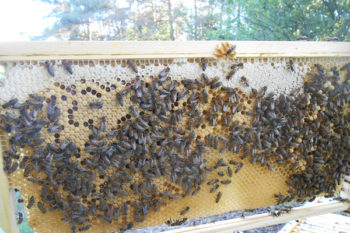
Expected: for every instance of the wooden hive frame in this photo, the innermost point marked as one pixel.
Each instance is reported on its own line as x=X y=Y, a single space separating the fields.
x=78 y=50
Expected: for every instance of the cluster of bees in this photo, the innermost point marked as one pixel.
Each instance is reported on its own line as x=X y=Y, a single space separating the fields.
x=159 y=140
x=225 y=50
x=316 y=132
x=276 y=212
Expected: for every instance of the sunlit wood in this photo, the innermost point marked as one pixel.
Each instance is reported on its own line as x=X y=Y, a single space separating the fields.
x=12 y=51
x=263 y=220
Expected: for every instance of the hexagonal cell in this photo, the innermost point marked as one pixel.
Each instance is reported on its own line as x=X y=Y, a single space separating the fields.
x=253 y=186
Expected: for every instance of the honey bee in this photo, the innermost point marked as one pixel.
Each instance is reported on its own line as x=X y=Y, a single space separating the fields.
x=214 y=188
x=204 y=64
x=221 y=173
x=132 y=66
x=212 y=182
x=67 y=67
x=104 y=218
x=49 y=68
x=41 y=207
x=244 y=81
x=230 y=49
x=345 y=67
x=230 y=74
x=31 y=202
x=130 y=225
x=10 y=103
x=234 y=69
x=239 y=168
x=20 y=218
x=229 y=171
x=184 y=211
x=218 y=197
x=290 y=65
x=85 y=228
x=176 y=223
x=226 y=182
x=96 y=105
x=196 y=190
x=225 y=50
x=163 y=74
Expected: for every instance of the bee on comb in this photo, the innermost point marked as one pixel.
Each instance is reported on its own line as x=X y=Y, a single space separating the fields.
x=132 y=66
x=67 y=67
x=290 y=65
x=244 y=81
x=49 y=68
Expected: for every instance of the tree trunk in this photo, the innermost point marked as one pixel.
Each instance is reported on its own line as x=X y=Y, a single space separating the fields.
x=171 y=21
x=88 y=30
x=195 y=20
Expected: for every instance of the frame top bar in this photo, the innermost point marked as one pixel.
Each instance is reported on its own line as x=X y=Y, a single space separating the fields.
x=35 y=50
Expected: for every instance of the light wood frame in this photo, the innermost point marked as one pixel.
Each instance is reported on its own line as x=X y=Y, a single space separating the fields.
x=83 y=50
x=90 y=50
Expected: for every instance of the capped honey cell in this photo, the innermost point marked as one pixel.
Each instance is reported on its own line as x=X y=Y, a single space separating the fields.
x=172 y=143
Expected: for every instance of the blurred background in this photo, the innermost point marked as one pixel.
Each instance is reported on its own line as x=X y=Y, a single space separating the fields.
x=57 y=20
x=316 y=20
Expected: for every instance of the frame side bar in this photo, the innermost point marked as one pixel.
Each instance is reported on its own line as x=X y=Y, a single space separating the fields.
x=7 y=203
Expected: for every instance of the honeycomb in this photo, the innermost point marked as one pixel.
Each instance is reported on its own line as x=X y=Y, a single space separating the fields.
x=250 y=185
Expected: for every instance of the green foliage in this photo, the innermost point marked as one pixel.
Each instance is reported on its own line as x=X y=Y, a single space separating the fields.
x=286 y=20
x=149 y=22
x=75 y=18
x=199 y=20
